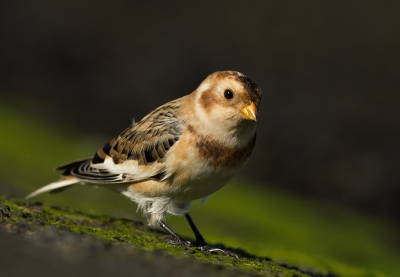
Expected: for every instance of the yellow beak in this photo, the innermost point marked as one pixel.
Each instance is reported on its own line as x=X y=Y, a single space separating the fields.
x=250 y=111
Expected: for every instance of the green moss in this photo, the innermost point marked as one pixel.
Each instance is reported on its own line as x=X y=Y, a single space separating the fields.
x=31 y=217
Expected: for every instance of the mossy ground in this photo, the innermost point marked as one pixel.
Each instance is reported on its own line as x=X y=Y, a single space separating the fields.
x=21 y=217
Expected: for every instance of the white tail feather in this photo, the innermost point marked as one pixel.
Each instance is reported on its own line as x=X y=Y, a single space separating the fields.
x=53 y=186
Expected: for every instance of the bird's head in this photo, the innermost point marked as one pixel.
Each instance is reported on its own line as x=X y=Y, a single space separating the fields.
x=228 y=100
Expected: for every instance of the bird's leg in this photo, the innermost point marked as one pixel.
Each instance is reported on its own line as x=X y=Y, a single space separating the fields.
x=199 y=238
x=176 y=239
x=201 y=243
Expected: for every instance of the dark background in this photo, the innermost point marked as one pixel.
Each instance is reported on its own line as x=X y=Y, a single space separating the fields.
x=329 y=71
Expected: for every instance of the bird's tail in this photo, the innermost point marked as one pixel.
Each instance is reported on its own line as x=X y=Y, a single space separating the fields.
x=60 y=185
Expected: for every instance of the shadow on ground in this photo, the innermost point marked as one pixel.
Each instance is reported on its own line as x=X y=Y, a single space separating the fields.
x=39 y=240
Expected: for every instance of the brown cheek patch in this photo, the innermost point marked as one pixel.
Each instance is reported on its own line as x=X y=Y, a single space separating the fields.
x=207 y=100
x=220 y=155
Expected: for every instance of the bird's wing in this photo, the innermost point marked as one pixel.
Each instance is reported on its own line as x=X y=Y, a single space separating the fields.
x=137 y=154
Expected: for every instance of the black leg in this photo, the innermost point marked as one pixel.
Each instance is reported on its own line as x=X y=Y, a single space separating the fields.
x=199 y=238
x=201 y=243
x=176 y=239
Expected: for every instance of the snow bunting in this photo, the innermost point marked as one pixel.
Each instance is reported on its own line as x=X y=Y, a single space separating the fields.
x=184 y=150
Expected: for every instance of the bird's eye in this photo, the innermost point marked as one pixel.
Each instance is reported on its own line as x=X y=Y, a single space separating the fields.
x=228 y=94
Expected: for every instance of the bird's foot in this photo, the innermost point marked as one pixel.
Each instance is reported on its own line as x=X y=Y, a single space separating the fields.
x=208 y=249
x=200 y=243
x=178 y=241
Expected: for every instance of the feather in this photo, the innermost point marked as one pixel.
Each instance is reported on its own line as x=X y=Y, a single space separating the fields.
x=53 y=186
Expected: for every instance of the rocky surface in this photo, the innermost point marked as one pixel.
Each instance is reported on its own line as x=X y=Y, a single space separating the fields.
x=39 y=240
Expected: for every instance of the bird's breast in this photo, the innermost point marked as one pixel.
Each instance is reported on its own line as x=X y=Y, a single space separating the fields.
x=214 y=150
x=200 y=165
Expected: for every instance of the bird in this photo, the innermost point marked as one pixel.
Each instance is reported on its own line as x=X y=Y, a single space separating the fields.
x=184 y=150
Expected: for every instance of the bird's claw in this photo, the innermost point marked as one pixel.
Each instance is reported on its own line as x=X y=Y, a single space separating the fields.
x=178 y=241
x=207 y=249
